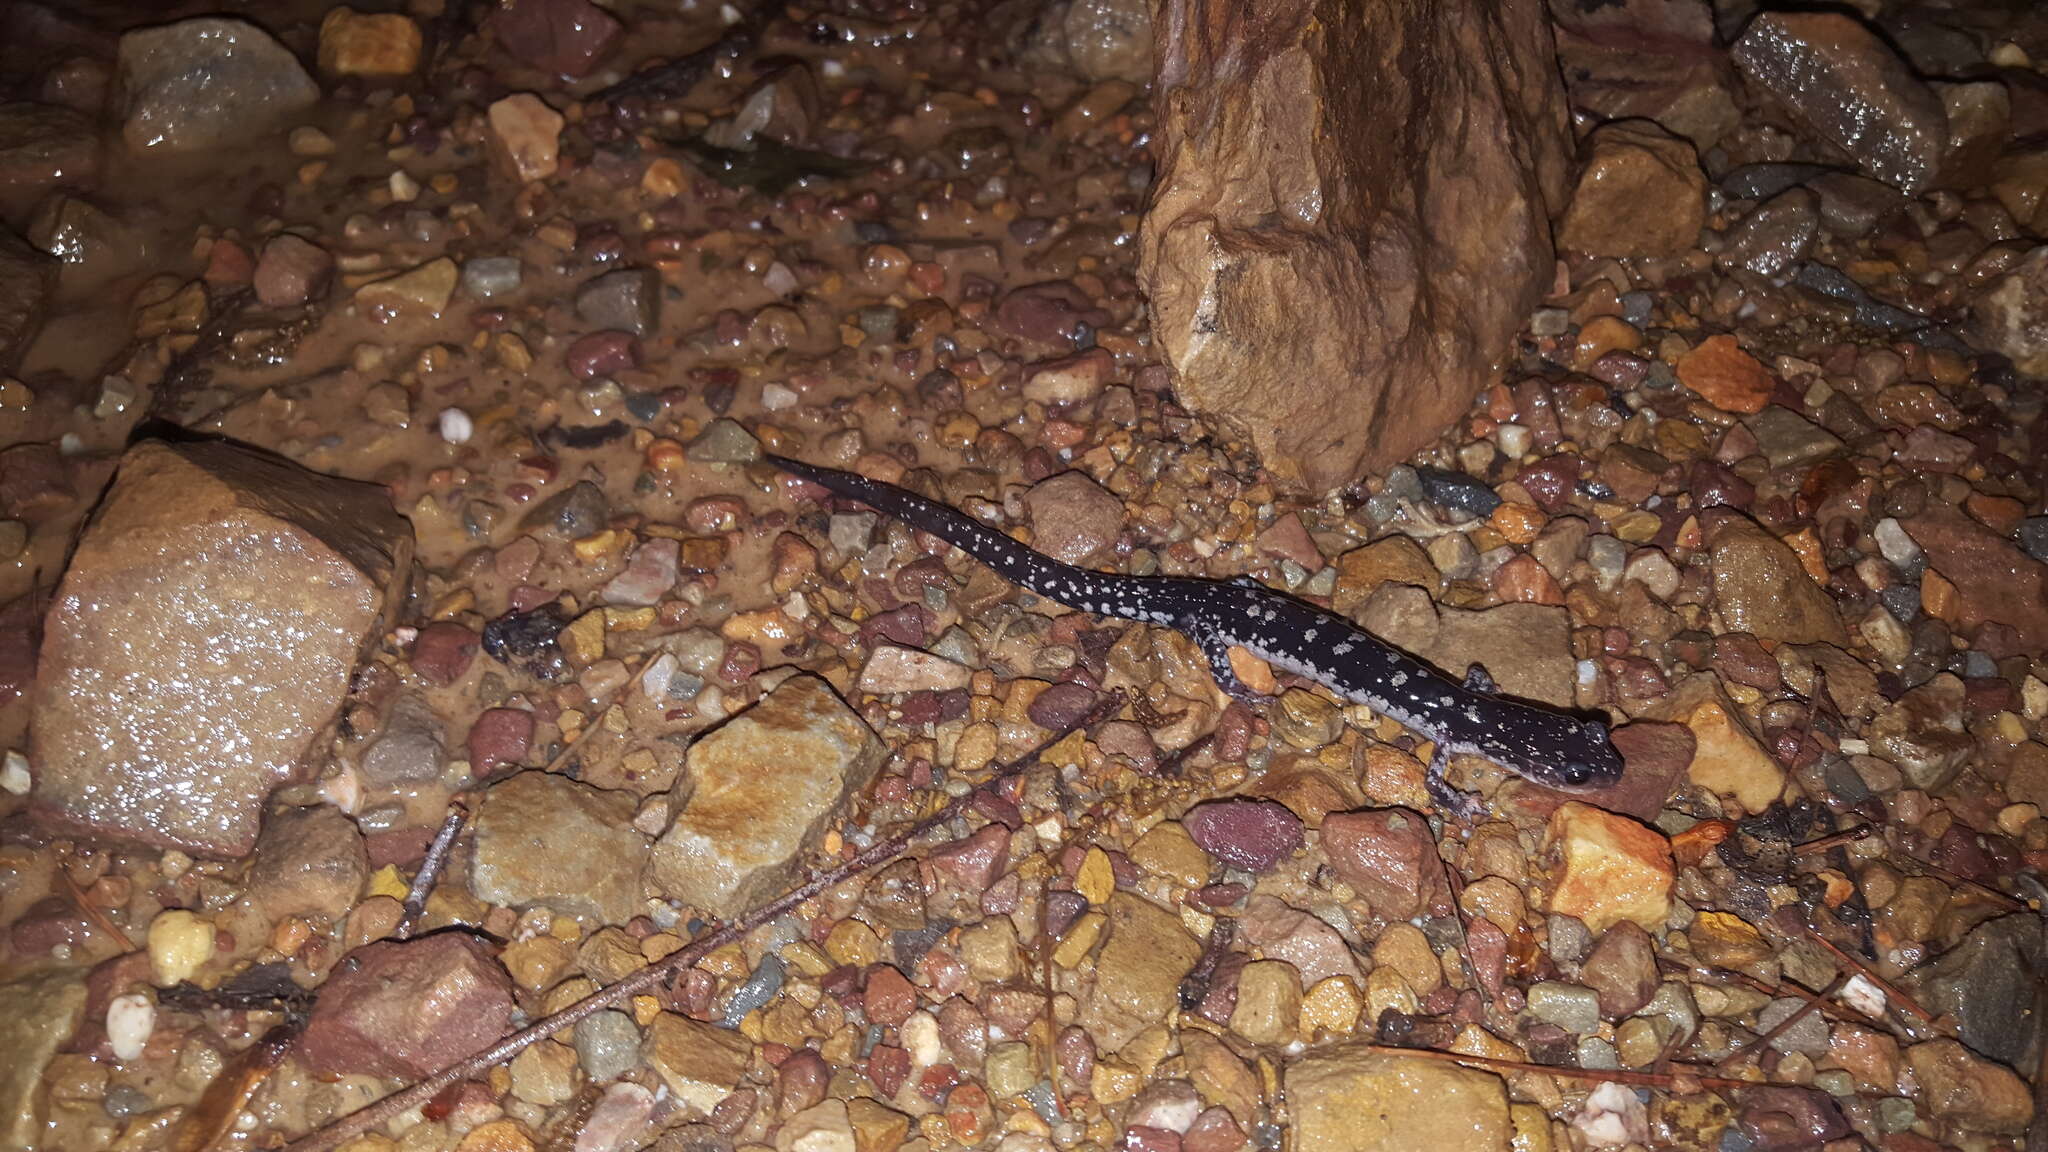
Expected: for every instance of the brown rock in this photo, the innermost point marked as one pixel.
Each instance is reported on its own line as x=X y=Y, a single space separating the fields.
x=757 y=793
x=1648 y=60
x=1138 y=973
x=309 y=862
x=528 y=135
x=1388 y=858
x=1726 y=376
x=1349 y=1098
x=701 y=1063
x=2009 y=315
x=33 y=481
x=206 y=82
x=563 y=37
x=1994 y=581
x=1396 y=559
x=356 y=43
x=27 y=277
x=546 y=839
x=1313 y=277
x=203 y=640
x=1622 y=969
x=1969 y=1091
x=1072 y=517
x=292 y=271
x=1640 y=193
x=1761 y=587
x=407 y=1008
x=1851 y=90
x=43 y=144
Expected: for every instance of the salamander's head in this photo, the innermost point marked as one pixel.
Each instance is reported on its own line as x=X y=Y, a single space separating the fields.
x=1588 y=759
x=1549 y=748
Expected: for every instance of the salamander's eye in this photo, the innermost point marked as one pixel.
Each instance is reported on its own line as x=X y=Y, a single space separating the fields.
x=1577 y=772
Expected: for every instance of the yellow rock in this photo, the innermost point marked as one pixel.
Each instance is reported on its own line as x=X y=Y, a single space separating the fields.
x=1609 y=868
x=1332 y=1006
x=701 y=1063
x=1385 y=988
x=180 y=943
x=582 y=642
x=876 y=1126
x=386 y=881
x=1726 y=940
x=1079 y=940
x=1392 y=558
x=528 y=135
x=1095 y=881
x=1167 y=850
x=1730 y=762
x=496 y=1136
x=1269 y=1000
x=852 y=942
x=1350 y=1099
x=355 y=43
x=416 y=294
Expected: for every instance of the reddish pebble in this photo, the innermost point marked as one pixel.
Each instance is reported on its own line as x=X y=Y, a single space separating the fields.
x=1139 y=1138
x=975 y=862
x=1524 y=580
x=602 y=354
x=1253 y=835
x=889 y=996
x=443 y=652
x=888 y=1068
x=499 y=736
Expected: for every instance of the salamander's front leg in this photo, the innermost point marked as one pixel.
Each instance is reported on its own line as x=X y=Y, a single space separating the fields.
x=1461 y=807
x=1216 y=646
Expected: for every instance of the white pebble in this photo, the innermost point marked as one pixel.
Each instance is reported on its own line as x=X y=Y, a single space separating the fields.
x=779 y=279
x=920 y=1035
x=404 y=188
x=729 y=14
x=776 y=397
x=1513 y=440
x=14 y=777
x=659 y=675
x=130 y=1020
x=456 y=426
x=1894 y=544
x=1865 y=997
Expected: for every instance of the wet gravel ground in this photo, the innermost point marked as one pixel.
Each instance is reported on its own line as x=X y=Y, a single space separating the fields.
x=1795 y=557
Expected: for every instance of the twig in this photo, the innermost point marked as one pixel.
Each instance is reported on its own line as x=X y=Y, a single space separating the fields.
x=1863 y=969
x=95 y=913
x=1813 y=1001
x=656 y=974
x=1679 y=1080
x=1846 y=836
x=430 y=871
x=1833 y=1008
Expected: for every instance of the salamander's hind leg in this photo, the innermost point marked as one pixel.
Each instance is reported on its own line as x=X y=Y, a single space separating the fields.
x=1456 y=806
x=1216 y=646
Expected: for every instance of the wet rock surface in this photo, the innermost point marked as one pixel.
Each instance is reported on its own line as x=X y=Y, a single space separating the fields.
x=1749 y=471
x=756 y=793
x=204 y=638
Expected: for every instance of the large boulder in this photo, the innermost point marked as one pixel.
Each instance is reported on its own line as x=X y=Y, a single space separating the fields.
x=1351 y=216
x=202 y=641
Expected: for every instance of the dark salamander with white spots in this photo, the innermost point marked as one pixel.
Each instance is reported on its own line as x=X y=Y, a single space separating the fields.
x=1539 y=744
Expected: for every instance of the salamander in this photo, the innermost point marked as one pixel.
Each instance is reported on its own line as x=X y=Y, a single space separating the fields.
x=1468 y=717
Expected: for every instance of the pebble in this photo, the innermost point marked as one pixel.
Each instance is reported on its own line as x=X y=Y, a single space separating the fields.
x=1252 y=835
